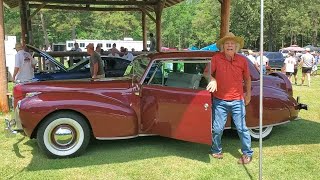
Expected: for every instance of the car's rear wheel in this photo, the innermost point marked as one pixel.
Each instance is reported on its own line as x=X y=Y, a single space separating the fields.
x=255 y=134
x=63 y=134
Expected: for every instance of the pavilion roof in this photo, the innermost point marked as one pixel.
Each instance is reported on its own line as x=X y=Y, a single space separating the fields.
x=94 y=5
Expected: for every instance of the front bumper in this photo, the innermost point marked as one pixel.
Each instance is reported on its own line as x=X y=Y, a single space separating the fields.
x=13 y=125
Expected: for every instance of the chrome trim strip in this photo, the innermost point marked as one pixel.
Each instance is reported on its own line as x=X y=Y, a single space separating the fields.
x=257 y=127
x=124 y=137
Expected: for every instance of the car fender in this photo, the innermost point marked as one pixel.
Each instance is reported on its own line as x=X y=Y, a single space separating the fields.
x=108 y=117
x=285 y=79
x=279 y=107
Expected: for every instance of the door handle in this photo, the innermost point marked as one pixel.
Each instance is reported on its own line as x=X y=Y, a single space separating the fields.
x=206 y=105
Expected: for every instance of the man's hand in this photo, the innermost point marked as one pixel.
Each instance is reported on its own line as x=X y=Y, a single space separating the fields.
x=247 y=99
x=212 y=86
x=94 y=77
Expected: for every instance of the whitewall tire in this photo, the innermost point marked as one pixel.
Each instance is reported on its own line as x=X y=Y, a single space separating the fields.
x=266 y=131
x=64 y=134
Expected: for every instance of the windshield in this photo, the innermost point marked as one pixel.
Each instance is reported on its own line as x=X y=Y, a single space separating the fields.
x=137 y=67
x=59 y=66
x=84 y=63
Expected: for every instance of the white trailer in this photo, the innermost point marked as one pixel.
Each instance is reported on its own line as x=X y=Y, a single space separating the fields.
x=128 y=43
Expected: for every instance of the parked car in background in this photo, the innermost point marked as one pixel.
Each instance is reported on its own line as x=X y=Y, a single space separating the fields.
x=276 y=59
x=64 y=115
x=114 y=67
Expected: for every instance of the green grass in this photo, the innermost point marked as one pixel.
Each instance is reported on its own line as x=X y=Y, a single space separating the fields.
x=291 y=152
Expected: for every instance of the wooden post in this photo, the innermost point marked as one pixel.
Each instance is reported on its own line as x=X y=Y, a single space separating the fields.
x=24 y=26
x=158 y=10
x=144 y=30
x=225 y=17
x=29 y=26
x=4 y=106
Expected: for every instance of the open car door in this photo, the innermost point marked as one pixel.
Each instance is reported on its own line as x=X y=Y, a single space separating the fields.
x=177 y=108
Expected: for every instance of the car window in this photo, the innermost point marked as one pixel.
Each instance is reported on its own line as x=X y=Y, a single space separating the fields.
x=121 y=64
x=137 y=67
x=278 y=56
x=179 y=73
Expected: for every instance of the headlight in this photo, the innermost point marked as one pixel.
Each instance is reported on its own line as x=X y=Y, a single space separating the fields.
x=31 y=94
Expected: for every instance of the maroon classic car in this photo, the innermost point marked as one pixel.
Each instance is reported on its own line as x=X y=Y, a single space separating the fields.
x=160 y=93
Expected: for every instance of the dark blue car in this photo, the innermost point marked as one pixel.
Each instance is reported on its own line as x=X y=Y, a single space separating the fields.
x=276 y=59
x=115 y=67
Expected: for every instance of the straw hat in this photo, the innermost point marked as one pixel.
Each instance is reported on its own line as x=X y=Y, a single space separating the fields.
x=230 y=36
x=18 y=46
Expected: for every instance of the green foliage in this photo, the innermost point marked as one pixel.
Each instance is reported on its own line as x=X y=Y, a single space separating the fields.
x=192 y=22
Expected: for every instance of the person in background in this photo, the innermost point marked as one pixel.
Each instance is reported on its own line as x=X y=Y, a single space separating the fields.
x=307 y=61
x=152 y=42
x=127 y=55
x=295 y=71
x=121 y=53
x=76 y=48
x=24 y=65
x=288 y=65
x=265 y=64
x=229 y=71
x=96 y=63
x=114 y=52
x=114 y=48
x=252 y=58
x=98 y=49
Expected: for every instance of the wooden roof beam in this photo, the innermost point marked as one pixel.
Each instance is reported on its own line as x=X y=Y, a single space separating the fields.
x=147 y=13
x=73 y=2
x=37 y=10
x=77 y=8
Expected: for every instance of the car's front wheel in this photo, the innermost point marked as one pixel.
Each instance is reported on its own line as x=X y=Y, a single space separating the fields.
x=266 y=131
x=63 y=134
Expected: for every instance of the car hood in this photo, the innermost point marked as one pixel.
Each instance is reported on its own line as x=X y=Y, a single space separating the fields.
x=75 y=67
x=78 y=85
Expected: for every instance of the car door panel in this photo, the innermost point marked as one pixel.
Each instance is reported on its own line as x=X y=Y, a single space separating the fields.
x=178 y=113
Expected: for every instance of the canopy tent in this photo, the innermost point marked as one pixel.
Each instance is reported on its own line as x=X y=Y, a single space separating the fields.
x=294 y=48
x=193 y=48
x=212 y=47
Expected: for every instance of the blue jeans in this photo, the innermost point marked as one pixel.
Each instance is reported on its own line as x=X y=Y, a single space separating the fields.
x=264 y=69
x=220 y=111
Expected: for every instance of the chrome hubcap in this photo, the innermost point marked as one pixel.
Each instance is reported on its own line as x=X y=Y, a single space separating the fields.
x=63 y=137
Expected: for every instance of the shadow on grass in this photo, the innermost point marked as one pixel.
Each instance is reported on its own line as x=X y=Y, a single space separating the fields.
x=109 y=152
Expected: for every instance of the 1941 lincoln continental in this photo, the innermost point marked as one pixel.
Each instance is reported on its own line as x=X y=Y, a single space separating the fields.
x=160 y=94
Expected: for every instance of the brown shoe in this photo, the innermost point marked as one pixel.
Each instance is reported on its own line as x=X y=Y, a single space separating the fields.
x=245 y=159
x=217 y=155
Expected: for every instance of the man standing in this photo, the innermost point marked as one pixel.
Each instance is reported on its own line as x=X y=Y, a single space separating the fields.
x=96 y=63
x=229 y=70
x=307 y=61
x=288 y=65
x=152 y=42
x=24 y=65
x=127 y=55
